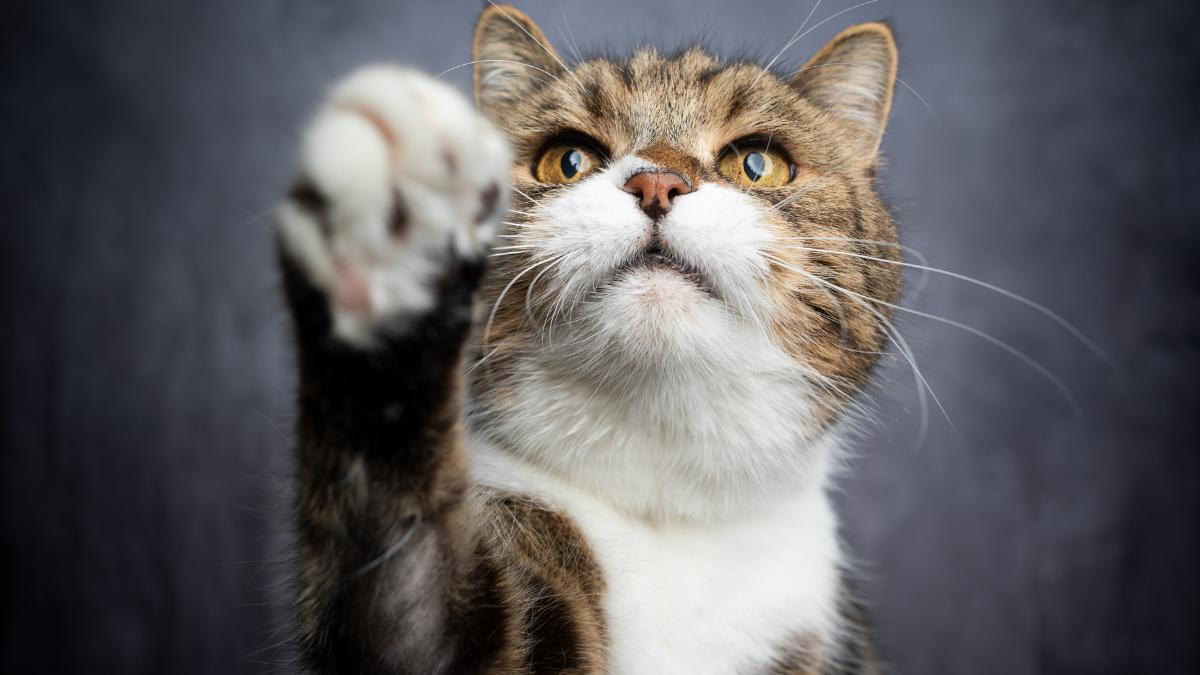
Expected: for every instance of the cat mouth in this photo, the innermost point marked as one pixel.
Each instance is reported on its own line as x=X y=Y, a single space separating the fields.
x=656 y=258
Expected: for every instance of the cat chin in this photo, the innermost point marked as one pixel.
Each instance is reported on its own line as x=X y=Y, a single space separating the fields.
x=659 y=397
x=659 y=316
x=660 y=295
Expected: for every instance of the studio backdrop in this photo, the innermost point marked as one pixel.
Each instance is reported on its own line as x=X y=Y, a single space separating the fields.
x=1039 y=516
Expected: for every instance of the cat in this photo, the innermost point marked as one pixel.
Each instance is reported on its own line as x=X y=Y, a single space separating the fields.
x=574 y=362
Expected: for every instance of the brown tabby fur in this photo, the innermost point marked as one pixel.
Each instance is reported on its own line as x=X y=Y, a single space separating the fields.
x=680 y=112
x=407 y=567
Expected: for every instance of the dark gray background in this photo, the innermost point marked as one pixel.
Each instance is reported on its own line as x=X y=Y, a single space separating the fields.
x=145 y=389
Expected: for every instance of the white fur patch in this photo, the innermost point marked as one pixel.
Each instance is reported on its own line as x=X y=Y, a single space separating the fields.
x=391 y=138
x=646 y=389
x=666 y=422
x=716 y=597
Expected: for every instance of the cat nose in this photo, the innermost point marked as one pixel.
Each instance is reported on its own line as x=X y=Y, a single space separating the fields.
x=656 y=190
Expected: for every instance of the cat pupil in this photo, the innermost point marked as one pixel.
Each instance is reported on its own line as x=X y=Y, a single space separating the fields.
x=571 y=161
x=755 y=165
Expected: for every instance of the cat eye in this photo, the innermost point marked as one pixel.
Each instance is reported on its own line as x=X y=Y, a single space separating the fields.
x=755 y=167
x=565 y=162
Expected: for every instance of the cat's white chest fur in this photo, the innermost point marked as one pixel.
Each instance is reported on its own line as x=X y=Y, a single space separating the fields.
x=697 y=599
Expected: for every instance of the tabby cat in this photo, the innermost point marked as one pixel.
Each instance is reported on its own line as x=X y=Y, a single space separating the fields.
x=573 y=368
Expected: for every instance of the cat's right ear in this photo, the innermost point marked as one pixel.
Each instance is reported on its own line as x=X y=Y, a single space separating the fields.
x=512 y=57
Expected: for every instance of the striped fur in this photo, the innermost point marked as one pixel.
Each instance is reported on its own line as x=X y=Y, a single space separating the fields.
x=528 y=467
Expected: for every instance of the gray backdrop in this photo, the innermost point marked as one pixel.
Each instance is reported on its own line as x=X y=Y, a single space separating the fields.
x=145 y=388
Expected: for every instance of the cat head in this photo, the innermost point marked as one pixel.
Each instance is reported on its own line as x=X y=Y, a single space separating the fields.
x=694 y=274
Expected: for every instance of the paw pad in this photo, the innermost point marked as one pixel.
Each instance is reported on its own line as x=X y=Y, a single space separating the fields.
x=401 y=179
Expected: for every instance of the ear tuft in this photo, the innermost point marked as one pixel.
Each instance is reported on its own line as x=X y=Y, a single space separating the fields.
x=512 y=57
x=853 y=78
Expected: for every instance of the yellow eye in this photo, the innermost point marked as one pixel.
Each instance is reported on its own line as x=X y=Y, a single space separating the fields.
x=565 y=163
x=756 y=167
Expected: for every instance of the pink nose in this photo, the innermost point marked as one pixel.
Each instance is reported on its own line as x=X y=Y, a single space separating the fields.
x=656 y=191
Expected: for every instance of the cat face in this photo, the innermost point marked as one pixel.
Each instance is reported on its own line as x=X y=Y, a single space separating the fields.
x=679 y=222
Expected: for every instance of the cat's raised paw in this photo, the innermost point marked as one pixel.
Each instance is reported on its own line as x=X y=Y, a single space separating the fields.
x=400 y=179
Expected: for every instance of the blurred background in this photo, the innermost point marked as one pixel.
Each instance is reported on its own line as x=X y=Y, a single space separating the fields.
x=145 y=394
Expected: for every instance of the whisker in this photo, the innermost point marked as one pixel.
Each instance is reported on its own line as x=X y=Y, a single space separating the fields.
x=890 y=329
x=767 y=68
x=529 y=291
x=923 y=404
x=1022 y=356
x=845 y=393
x=515 y=63
x=922 y=100
x=916 y=253
x=483 y=358
x=808 y=187
x=546 y=49
x=487 y=330
x=1028 y=360
x=516 y=190
x=570 y=33
x=1042 y=309
x=391 y=551
x=842 y=323
x=827 y=19
x=797 y=38
x=906 y=85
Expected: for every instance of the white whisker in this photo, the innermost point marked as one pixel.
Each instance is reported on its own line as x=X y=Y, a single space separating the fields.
x=515 y=63
x=896 y=78
x=767 y=68
x=797 y=38
x=1042 y=309
x=529 y=291
x=890 y=329
x=829 y=18
x=496 y=306
x=391 y=551
x=916 y=253
x=514 y=189
x=922 y=100
x=570 y=33
x=1022 y=356
x=483 y=358
x=549 y=52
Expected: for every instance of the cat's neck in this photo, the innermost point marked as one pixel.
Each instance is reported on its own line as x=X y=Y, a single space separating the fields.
x=667 y=504
x=669 y=448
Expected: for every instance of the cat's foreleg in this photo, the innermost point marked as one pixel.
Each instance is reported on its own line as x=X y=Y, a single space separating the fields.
x=382 y=245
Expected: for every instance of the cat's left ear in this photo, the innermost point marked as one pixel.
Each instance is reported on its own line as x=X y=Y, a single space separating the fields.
x=853 y=77
x=512 y=57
